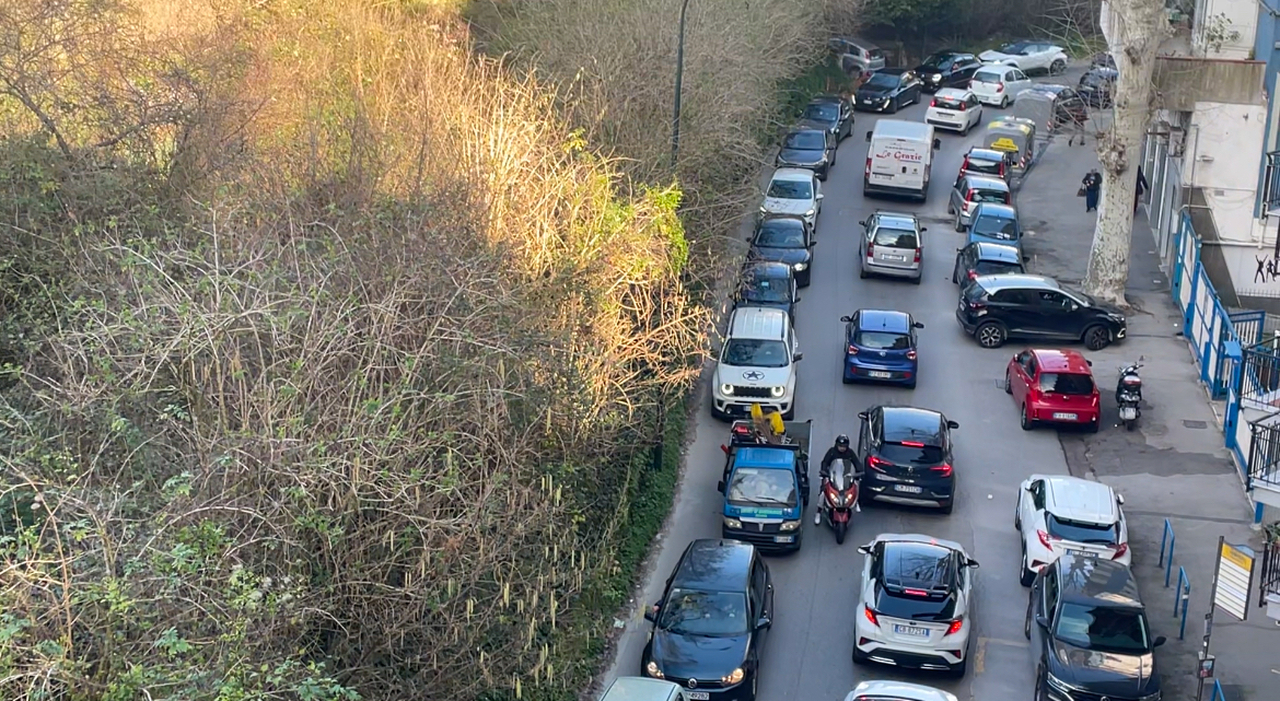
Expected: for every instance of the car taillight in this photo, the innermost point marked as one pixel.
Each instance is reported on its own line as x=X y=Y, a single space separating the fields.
x=853 y=350
x=999 y=87
x=968 y=196
x=933 y=103
x=973 y=275
x=977 y=305
x=877 y=464
x=868 y=172
x=1045 y=539
x=911 y=355
x=1002 y=169
x=871 y=616
x=955 y=626
x=871 y=248
x=942 y=470
x=1120 y=550
x=917 y=255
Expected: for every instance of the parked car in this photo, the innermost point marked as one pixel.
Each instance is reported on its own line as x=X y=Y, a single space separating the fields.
x=757 y=364
x=1029 y=55
x=793 y=191
x=889 y=90
x=709 y=627
x=833 y=113
x=1064 y=105
x=982 y=258
x=770 y=284
x=986 y=162
x=881 y=345
x=857 y=54
x=892 y=244
x=1103 y=60
x=995 y=223
x=1089 y=632
x=1057 y=514
x=955 y=109
x=787 y=240
x=999 y=85
x=906 y=453
x=947 y=69
x=1096 y=86
x=881 y=690
x=995 y=308
x=814 y=149
x=1053 y=386
x=972 y=190
x=643 y=689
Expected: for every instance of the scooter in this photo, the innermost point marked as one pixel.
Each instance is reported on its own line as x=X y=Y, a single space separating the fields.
x=839 y=499
x=1129 y=394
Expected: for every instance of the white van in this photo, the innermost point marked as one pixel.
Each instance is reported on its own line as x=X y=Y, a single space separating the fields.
x=899 y=158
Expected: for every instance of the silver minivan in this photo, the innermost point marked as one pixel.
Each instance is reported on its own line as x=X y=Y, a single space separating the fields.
x=892 y=245
x=643 y=689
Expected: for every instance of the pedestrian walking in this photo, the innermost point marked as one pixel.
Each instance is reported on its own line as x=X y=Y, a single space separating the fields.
x=1091 y=186
x=1141 y=187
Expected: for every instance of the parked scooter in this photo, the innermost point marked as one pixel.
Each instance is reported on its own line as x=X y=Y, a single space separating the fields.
x=1129 y=394
x=839 y=498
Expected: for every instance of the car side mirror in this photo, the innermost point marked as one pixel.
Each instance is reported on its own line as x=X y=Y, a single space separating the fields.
x=1075 y=307
x=811 y=244
x=797 y=357
x=1160 y=640
x=763 y=623
x=924 y=228
x=720 y=486
x=1120 y=499
x=1042 y=621
x=959 y=249
x=937 y=144
x=864 y=549
x=868 y=137
x=972 y=563
x=651 y=614
x=863 y=415
x=846 y=318
x=1089 y=363
x=918 y=325
x=797 y=299
x=953 y=424
x=820 y=197
x=862 y=222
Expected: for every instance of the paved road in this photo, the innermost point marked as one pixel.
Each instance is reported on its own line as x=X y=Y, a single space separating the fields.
x=807 y=654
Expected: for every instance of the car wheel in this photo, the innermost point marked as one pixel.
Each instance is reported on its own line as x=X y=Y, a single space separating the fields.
x=755 y=685
x=1008 y=383
x=959 y=223
x=1025 y=575
x=1004 y=102
x=1041 y=694
x=1026 y=633
x=1096 y=337
x=951 y=209
x=911 y=385
x=916 y=280
x=948 y=507
x=862 y=272
x=1057 y=67
x=955 y=276
x=959 y=670
x=1025 y=420
x=1095 y=425
x=991 y=335
x=1017 y=520
x=845 y=379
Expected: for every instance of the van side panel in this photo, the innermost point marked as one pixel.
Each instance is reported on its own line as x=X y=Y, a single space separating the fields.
x=898 y=163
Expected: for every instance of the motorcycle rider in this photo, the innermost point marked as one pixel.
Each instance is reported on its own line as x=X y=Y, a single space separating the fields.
x=840 y=451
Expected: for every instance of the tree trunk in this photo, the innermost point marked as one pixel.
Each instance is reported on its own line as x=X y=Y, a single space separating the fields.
x=1140 y=27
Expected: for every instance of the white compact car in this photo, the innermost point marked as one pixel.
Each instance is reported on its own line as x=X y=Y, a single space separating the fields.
x=878 y=690
x=757 y=364
x=998 y=84
x=1029 y=56
x=1058 y=514
x=955 y=109
x=794 y=191
x=916 y=608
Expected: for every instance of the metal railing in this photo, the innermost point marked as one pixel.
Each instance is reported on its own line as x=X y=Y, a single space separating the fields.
x=1264 y=455
x=1269 y=579
x=1271 y=182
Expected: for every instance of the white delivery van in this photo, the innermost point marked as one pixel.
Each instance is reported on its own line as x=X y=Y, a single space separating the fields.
x=899 y=158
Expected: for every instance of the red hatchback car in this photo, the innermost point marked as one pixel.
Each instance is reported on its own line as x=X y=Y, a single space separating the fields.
x=1053 y=386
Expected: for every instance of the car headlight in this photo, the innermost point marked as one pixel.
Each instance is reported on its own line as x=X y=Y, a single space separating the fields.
x=652 y=670
x=886 y=102
x=732 y=522
x=788 y=525
x=764 y=209
x=777 y=392
x=726 y=390
x=1058 y=683
x=811 y=212
x=801 y=266
x=1150 y=697
x=733 y=677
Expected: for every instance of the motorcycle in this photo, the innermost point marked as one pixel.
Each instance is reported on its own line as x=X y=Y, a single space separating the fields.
x=839 y=498
x=1129 y=394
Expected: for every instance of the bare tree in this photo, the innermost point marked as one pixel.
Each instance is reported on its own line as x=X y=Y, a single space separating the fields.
x=1139 y=27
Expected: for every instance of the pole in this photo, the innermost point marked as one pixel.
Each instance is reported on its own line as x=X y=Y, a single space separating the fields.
x=675 y=119
x=1208 y=622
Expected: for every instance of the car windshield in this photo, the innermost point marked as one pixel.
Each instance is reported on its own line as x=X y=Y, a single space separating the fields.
x=996 y=267
x=1066 y=383
x=1103 y=628
x=978 y=194
x=1081 y=532
x=706 y=613
x=766 y=289
x=996 y=228
x=791 y=190
x=935 y=60
x=821 y=112
x=911 y=453
x=807 y=140
x=883 y=340
x=1094 y=79
x=1017 y=48
x=883 y=80
x=988 y=77
x=755 y=353
x=895 y=238
x=759 y=487
x=780 y=236
x=948 y=103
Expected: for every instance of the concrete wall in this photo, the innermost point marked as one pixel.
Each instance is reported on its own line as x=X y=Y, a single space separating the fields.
x=1215 y=22
x=1183 y=82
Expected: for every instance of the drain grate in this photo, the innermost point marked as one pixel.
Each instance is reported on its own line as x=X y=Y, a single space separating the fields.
x=1190 y=423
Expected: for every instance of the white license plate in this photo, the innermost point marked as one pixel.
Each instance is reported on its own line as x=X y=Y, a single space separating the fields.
x=879 y=374
x=698 y=695
x=784 y=539
x=1063 y=416
x=912 y=631
x=897 y=258
x=907 y=488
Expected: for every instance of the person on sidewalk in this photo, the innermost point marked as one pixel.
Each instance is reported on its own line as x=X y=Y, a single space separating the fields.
x=1141 y=187
x=1092 y=185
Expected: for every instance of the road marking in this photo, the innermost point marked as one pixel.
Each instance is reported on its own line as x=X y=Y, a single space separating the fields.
x=1007 y=643
x=980 y=659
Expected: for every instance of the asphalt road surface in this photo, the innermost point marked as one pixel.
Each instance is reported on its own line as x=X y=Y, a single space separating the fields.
x=807 y=654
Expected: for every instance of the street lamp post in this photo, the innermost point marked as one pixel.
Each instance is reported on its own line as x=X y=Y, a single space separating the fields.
x=675 y=119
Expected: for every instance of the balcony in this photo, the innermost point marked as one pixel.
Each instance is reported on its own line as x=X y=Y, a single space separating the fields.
x=1182 y=81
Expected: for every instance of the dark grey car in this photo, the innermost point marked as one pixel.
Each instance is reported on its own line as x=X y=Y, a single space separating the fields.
x=814 y=149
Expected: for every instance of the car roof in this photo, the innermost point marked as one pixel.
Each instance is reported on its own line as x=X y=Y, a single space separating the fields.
x=1076 y=499
x=1052 y=88
x=883 y=320
x=907 y=423
x=1002 y=252
x=996 y=209
x=899 y=218
x=765 y=458
x=758 y=322
x=793 y=174
x=711 y=564
x=1093 y=580
x=986 y=154
x=952 y=92
x=789 y=219
x=991 y=283
x=879 y=690
x=987 y=182
x=1062 y=360
x=640 y=689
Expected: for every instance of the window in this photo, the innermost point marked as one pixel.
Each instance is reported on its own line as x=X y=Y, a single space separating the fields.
x=951 y=103
x=790 y=190
x=707 y=613
x=883 y=340
x=996 y=228
x=1018 y=75
x=822 y=112
x=759 y=585
x=1037 y=495
x=1103 y=628
x=1082 y=532
x=996 y=267
x=750 y=352
x=916 y=454
x=1012 y=297
x=977 y=164
x=758 y=288
x=911 y=608
x=883 y=80
x=1054 y=300
x=895 y=238
x=806 y=140
x=987 y=76
x=980 y=194
x=762 y=487
x=1051 y=589
x=1069 y=383
x=780 y=235
x=905 y=80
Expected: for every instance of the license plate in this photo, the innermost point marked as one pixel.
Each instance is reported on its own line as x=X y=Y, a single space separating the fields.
x=698 y=695
x=784 y=539
x=897 y=258
x=1063 y=416
x=912 y=631
x=907 y=488
x=879 y=374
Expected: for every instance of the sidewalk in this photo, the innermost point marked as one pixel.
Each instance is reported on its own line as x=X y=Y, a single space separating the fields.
x=1174 y=466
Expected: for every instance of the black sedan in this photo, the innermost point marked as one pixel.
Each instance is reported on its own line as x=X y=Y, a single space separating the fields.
x=906 y=455
x=785 y=239
x=947 y=69
x=767 y=284
x=832 y=113
x=1096 y=86
x=709 y=627
x=814 y=149
x=888 y=90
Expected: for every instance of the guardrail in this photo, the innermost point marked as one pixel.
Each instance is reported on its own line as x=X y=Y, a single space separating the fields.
x=1182 y=596
x=1218 y=694
x=1166 y=558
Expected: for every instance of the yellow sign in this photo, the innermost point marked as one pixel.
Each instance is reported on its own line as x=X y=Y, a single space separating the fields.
x=1237 y=558
x=1005 y=144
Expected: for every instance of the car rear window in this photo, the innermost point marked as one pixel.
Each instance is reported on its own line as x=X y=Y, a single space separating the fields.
x=821 y=112
x=948 y=103
x=996 y=267
x=810 y=140
x=883 y=340
x=895 y=238
x=1080 y=532
x=974 y=293
x=980 y=165
x=996 y=228
x=1066 y=383
x=913 y=608
x=988 y=77
x=979 y=194
x=875 y=53
x=911 y=453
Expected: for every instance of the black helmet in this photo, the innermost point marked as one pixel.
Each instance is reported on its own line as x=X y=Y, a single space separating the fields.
x=842 y=441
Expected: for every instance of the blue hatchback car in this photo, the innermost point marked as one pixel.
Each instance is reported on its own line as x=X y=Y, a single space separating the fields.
x=880 y=346
x=995 y=223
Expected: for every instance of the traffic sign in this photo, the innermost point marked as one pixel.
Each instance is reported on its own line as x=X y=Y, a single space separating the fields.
x=1235 y=580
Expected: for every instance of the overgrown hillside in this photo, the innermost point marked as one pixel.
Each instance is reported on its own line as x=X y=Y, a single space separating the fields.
x=331 y=357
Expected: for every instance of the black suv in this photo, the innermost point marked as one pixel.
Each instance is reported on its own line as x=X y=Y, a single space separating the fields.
x=906 y=455
x=995 y=308
x=709 y=627
x=768 y=284
x=812 y=148
x=888 y=90
x=833 y=113
x=947 y=69
x=1089 y=633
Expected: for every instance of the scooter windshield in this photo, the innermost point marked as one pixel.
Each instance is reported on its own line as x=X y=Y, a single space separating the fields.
x=841 y=475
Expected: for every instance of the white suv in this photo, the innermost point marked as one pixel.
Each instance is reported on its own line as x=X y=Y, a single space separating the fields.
x=1067 y=514
x=757 y=364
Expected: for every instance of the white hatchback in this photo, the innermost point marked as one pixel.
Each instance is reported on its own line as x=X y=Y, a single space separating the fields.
x=793 y=191
x=1058 y=514
x=998 y=84
x=955 y=109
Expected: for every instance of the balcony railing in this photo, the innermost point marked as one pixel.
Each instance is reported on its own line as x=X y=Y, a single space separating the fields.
x=1264 y=455
x=1271 y=183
